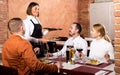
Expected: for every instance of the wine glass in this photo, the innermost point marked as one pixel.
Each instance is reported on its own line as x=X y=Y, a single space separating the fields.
x=79 y=50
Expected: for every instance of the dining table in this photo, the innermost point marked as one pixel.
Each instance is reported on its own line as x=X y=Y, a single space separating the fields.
x=82 y=68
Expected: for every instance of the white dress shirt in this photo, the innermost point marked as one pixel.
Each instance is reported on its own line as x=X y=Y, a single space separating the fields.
x=99 y=48
x=77 y=42
x=29 y=28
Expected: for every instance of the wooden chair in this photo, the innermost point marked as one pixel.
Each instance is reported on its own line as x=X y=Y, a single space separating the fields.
x=52 y=46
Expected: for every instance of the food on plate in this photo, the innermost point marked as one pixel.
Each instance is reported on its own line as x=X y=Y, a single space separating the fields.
x=94 y=61
x=45 y=61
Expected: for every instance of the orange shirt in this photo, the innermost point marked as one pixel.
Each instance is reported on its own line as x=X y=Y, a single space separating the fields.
x=17 y=53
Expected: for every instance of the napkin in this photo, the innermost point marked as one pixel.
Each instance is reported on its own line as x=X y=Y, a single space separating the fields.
x=70 y=66
x=101 y=72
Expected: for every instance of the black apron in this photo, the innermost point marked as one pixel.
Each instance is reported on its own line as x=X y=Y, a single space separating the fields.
x=37 y=33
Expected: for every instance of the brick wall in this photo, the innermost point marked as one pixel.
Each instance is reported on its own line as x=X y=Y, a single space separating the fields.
x=83 y=15
x=3 y=20
x=117 y=36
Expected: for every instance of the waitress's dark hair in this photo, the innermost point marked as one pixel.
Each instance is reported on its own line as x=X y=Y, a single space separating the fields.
x=78 y=26
x=29 y=8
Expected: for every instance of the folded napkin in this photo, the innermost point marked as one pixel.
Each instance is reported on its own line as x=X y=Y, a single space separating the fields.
x=70 y=66
x=101 y=72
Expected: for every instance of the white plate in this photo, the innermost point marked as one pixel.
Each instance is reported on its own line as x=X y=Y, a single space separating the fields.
x=93 y=63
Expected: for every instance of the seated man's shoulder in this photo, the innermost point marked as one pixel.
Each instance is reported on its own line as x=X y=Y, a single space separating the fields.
x=23 y=40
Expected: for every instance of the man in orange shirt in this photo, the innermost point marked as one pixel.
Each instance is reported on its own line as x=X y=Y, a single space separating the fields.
x=18 y=54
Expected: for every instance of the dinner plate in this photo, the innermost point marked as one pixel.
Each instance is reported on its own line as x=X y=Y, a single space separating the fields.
x=93 y=62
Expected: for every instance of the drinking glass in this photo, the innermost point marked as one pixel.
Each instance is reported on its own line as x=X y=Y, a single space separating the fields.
x=45 y=54
x=80 y=51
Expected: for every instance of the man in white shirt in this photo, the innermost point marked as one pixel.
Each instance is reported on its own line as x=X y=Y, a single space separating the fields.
x=76 y=40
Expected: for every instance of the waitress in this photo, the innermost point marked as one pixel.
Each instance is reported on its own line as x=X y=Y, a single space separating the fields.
x=33 y=29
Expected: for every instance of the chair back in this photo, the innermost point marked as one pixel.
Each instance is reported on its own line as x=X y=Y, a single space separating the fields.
x=52 y=46
x=7 y=71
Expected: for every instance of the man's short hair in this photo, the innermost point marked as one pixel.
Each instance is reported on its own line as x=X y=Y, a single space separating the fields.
x=14 y=24
x=78 y=26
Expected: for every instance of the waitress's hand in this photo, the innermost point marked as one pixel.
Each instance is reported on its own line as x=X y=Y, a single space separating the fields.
x=43 y=40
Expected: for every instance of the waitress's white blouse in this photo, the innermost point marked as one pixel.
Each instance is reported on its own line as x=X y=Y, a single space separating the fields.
x=29 y=28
